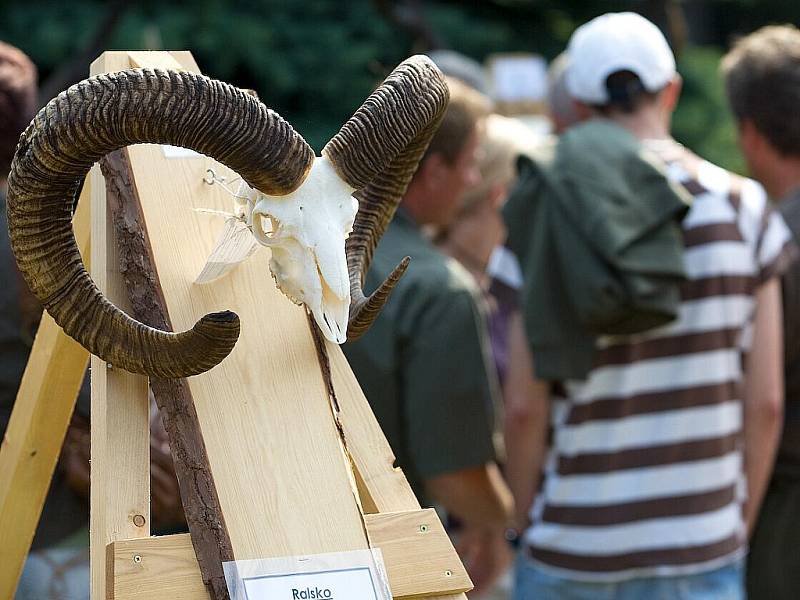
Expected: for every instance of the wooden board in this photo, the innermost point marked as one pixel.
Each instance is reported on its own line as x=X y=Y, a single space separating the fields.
x=264 y=412
x=383 y=487
x=418 y=555
x=282 y=471
x=36 y=429
x=156 y=567
x=120 y=454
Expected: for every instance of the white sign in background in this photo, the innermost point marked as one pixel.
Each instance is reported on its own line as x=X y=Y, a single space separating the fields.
x=356 y=575
x=519 y=78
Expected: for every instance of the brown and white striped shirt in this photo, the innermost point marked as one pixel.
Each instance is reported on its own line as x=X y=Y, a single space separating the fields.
x=645 y=475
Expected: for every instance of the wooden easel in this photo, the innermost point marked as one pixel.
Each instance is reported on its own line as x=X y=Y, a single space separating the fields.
x=299 y=462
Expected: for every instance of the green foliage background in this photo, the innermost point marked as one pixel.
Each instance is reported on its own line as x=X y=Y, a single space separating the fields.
x=314 y=61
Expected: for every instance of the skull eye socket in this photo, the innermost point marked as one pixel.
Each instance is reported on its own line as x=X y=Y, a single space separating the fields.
x=265 y=228
x=268 y=225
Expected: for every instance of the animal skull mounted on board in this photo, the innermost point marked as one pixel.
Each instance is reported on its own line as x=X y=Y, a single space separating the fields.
x=306 y=231
x=375 y=153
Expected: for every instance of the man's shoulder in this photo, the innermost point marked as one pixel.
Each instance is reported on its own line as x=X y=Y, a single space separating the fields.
x=718 y=193
x=430 y=274
x=704 y=177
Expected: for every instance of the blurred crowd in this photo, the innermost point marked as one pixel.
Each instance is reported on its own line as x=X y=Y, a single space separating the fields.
x=591 y=367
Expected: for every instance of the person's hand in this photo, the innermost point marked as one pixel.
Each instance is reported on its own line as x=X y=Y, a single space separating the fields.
x=485 y=554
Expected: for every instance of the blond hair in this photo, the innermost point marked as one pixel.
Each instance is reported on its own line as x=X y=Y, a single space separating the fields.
x=501 y=142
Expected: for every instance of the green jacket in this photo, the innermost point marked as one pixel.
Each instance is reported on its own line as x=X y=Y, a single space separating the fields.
x=596 y=226
x=424 y=364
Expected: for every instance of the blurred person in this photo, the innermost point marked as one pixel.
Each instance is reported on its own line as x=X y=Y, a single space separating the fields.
x=476 y=235
x=58 y=564
x=475 y=238
x=762 y=76
x=559 y=102
x=460 y=66
x=424 y=363
x=659 y=453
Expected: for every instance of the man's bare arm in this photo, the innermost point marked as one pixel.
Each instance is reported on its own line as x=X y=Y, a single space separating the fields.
x=479 y=498
x=763 y=396
x=527 y=412
x=476 y=496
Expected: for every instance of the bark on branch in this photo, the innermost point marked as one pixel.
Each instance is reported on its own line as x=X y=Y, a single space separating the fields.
x=201 y=504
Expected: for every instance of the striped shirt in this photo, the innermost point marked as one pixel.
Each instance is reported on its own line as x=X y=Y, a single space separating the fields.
x=645 y=472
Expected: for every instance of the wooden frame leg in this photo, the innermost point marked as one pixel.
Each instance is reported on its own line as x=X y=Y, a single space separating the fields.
x=36 y=430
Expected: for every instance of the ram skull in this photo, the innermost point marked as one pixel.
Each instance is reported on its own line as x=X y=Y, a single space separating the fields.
x=375 y=152
x=306 y=231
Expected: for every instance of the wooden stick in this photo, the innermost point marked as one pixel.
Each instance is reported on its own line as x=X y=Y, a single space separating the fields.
x=120 y=425
x=36 y=429
x=383 y=487
x=198 y=492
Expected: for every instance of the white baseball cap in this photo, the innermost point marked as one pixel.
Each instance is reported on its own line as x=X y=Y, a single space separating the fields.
x=616 y=42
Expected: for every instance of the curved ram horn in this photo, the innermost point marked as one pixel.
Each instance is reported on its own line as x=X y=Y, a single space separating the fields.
x=98 y=116
x=377 y=152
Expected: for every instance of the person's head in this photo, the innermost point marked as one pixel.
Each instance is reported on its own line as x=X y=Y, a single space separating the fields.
x=762 y=80
x=559 y=102
x=478 y=227
x=501 y=141
x=462 y=67
x=621 y=67
x=17 y=101
x=448 y=167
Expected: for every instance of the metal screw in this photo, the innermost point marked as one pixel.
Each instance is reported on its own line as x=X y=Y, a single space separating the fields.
x=138 y=520
x=137 y=559
x=423 y=528
x=448 y=573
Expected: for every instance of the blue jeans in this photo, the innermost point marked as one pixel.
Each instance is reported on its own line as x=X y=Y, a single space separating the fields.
x=726 y=583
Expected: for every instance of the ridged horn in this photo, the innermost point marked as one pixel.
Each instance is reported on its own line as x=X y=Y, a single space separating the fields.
x=377 y=152
x=100 y=115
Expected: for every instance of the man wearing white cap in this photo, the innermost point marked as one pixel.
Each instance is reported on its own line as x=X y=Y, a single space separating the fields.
x=660 y=455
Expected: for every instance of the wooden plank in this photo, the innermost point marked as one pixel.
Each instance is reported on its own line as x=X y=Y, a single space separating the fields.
x=156 y=567
x=120 y=489
x=36 y=429
x=158 y=60
x=386 y=488
x=269 y=395
x=264 y=412
x=383 y=487
x=185 y=59
x=418 y=555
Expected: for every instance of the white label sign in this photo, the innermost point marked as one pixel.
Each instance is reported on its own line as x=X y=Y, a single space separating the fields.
x=356 y=575
x=341 y=584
